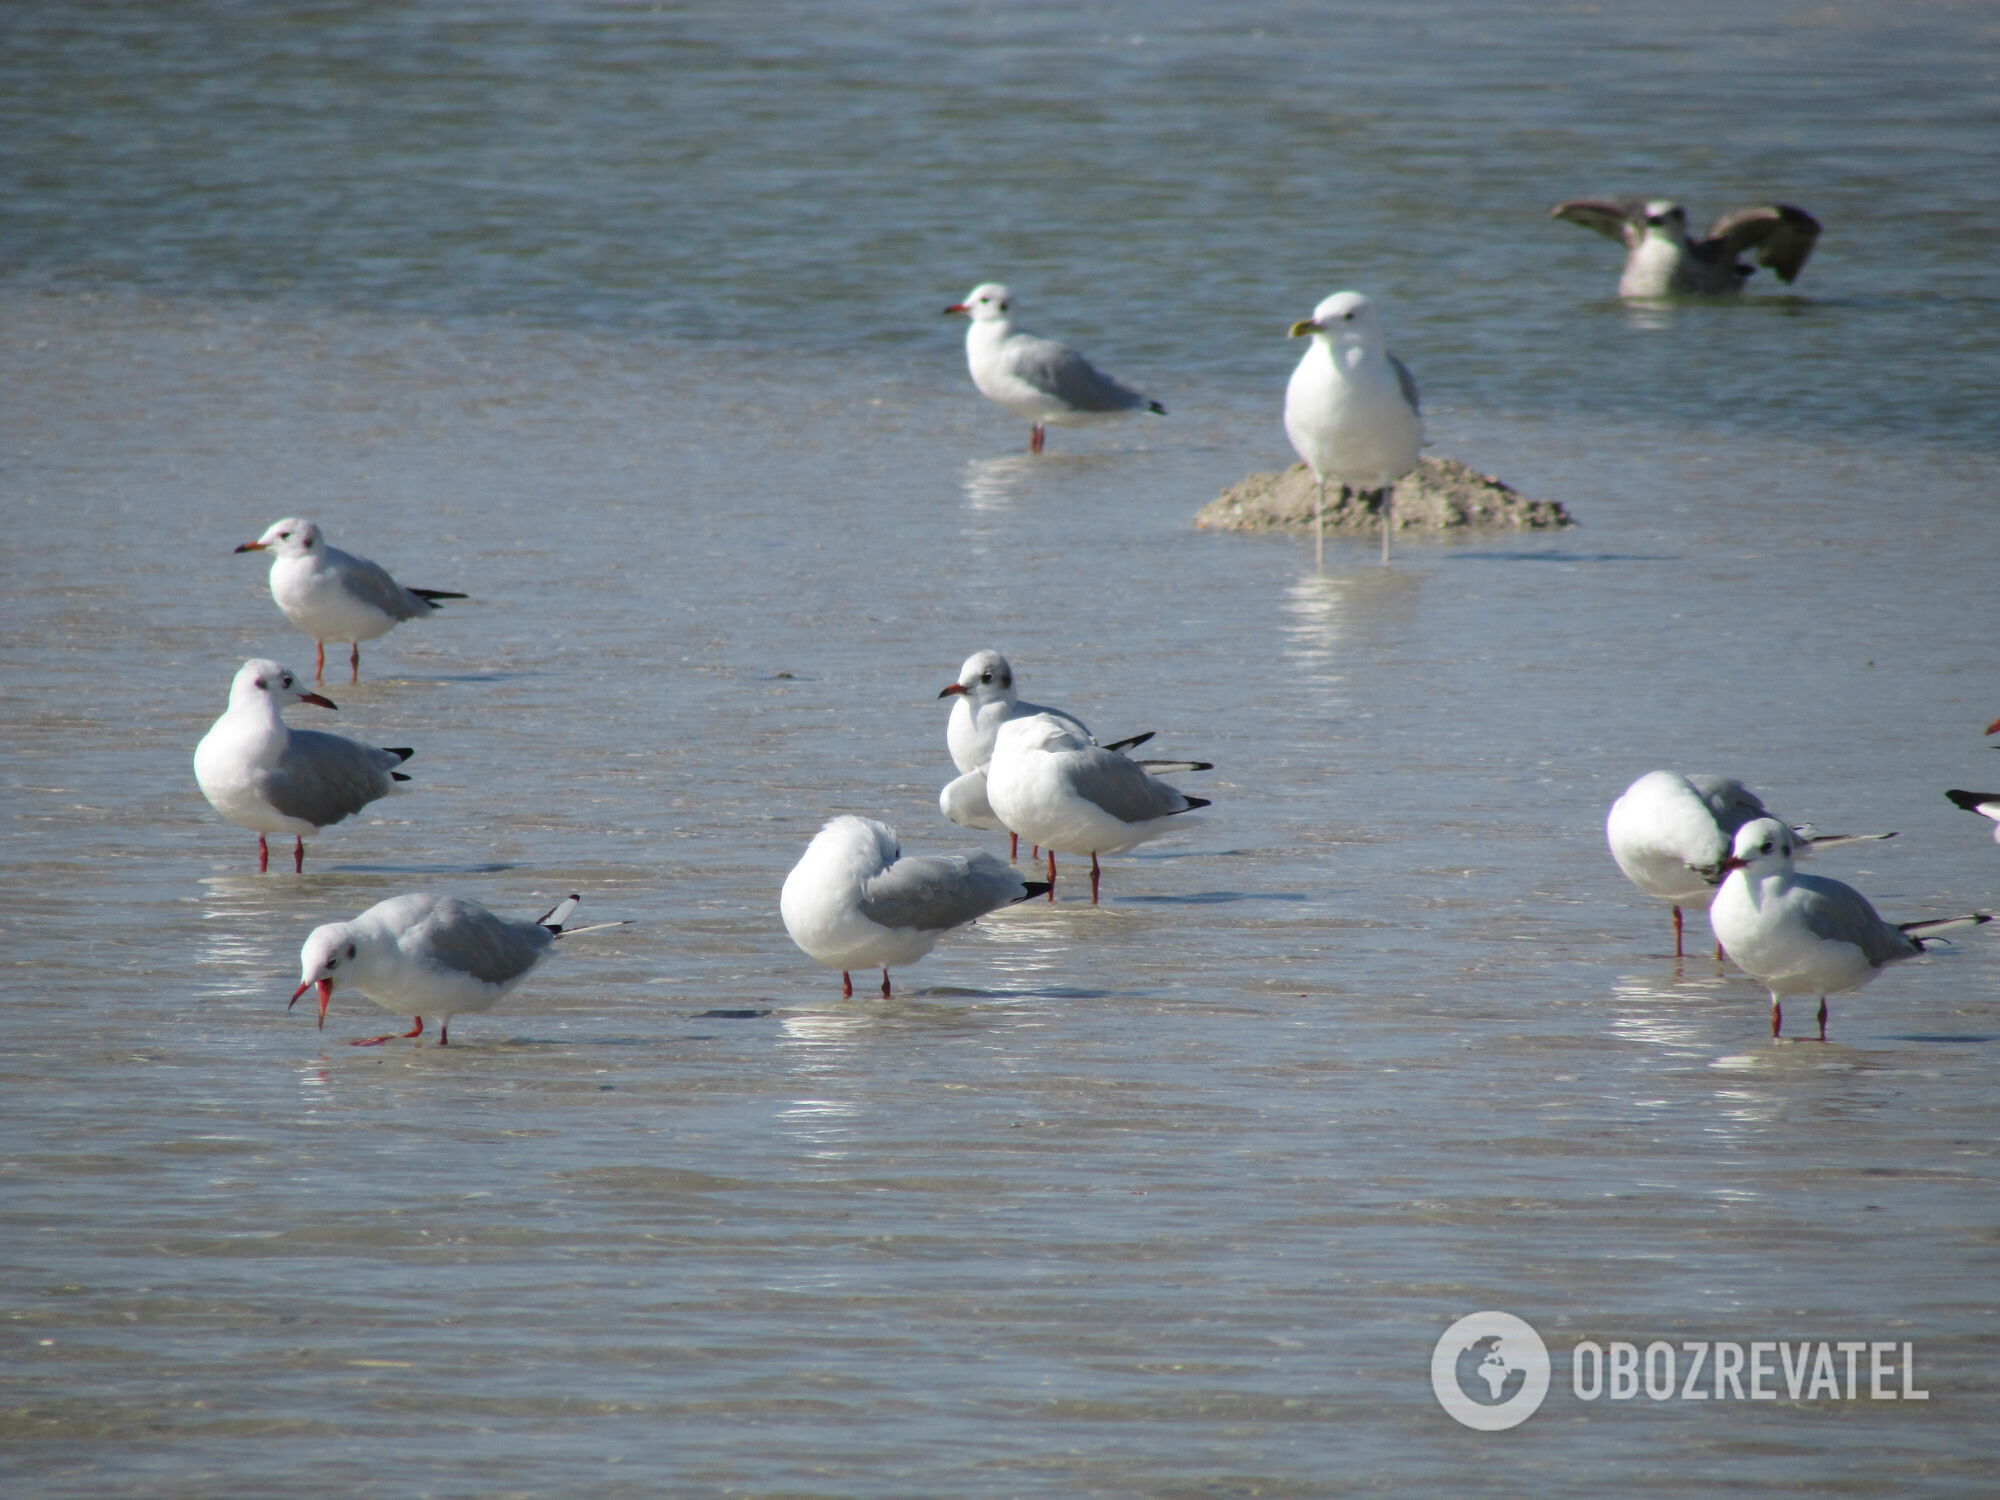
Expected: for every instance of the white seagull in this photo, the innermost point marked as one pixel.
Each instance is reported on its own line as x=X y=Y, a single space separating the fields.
x=1986 y=804
x=1040 y=380
x=1351 y=408
x=1663 y=260
x=333 y=595
x=263 y=775
x=984 y=698
x=1804 y=934
x=853 y=901
x=423 y=955
x=1671 y=833
x=1055 y=788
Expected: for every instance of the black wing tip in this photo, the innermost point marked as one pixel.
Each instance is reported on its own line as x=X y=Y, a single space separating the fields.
x=1194 y=802
x=1156 y=408
x=401 y=752
x=438 y=594
x=1032 y=889
x=1971 y=801
x=397 y=776
x=1131 y=742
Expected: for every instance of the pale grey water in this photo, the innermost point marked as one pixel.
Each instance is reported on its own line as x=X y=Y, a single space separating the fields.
x=625 y=321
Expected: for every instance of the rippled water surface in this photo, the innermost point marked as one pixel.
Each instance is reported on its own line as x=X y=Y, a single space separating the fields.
x=623 y=320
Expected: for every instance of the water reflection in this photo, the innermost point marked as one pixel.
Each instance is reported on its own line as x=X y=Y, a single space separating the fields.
x=821 y=1126
x=993 y=484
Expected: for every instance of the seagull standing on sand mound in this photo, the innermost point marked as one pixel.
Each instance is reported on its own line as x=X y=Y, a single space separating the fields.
x=853 y=901
x=1804 y=934
x=1351 y=409
x=1670 y=835
x=1661 y=260
x=1046 y=383
x=422 y=955
x=263 y=775
x=333 y=595
x=1055 y=788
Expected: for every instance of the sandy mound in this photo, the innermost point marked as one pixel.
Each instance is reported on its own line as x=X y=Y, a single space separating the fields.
x=1440 y=494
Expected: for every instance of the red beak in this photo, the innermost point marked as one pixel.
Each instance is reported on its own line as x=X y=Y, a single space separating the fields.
x=325 y=994
x=955 y=689
x=955 y=307
x=251 y=547
x=315 y=698
x=1731 y=862
x=1994 y=727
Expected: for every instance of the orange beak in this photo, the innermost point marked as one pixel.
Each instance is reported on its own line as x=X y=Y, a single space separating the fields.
x=956 y=687
x=956 y=307
x=251 y=547
x=325 y=994
x=315 y=698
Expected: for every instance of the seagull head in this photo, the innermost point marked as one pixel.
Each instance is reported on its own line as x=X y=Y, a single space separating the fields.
x=1664 y=216
x=328 y=956
x=985 y=303
x=985 y=678
x=292 y=537
x=1764 y=844
x=1343 y=318
x=262 y=678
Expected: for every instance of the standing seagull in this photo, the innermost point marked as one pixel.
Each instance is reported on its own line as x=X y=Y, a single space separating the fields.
x=1661 y=260
x=425 y=955
x=262 y=775
x=1351 y=409
x=1057 y=789
x=854 y=902
x=333 y=595
x=1670 y=835
x=1804 y=934
x=1045 y=382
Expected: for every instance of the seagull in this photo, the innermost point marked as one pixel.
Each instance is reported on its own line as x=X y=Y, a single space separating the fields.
x=1804 y=934
x=262 y=775
x=1351 y=408
x=1986 y=804
x=983 y=698
x=853 y=901
x=423 y=955
x=333 y=595
x=1060 y=791
x=1661 y=260
x=1047 y=383
x=1670 y=835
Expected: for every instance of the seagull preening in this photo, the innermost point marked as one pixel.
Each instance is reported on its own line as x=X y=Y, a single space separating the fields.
x=1044 y=382
x=983 y=698
x=1986 y=804
x=1804 y=934
x=422 y=955
x=1663 y=260
x=1670 y=835
x=1057 y=789
x=854 y=901
x=333 y=595
x=1351 y=409
x=263 y=775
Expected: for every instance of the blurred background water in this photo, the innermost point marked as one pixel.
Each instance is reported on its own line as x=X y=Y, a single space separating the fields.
x=624 y=320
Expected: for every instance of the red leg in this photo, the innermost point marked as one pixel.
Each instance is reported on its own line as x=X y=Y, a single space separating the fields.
x=319 y=661
x=263 y=855
x=444 y=1032
x=846 y=985
x=1093 y=878
x=1035 y=440
x=1822 y=1018
x=1777 y=1018
x=885 y=984
x=1013 y=848
x=1719 y=954
x=1052 y=877
x=1677 y=932
x=298 y=855
x=354 y=663
x=416 y=1029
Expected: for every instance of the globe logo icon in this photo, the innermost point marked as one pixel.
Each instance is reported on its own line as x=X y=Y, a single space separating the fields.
x=1490 y=1371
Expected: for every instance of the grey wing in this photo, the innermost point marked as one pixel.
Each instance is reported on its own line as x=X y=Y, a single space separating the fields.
x=1028 y=710
x=371 y=584
x=1733 y=803
x=472 y=940
x=1610 y=217
x=932 y=892
x=323 y=778
x=1409 y=384
x=1069 y=377
x=1839 y=913
x=1782 y=236
x=1120 y=786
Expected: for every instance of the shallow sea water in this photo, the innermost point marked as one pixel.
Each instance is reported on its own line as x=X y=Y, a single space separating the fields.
x=1168 y=1197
